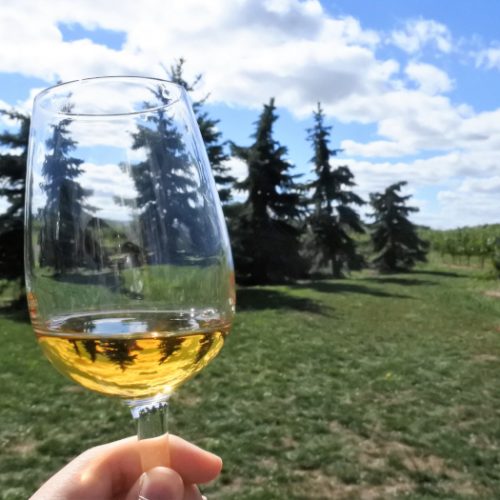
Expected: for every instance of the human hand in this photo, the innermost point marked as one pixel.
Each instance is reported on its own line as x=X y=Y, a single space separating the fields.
x=114 y=471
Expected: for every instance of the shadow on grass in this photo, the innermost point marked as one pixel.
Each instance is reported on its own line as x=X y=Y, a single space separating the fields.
x=339 y=287
x=257 y=299
x=108 y=280
x=398 y=281
x=15 y=313
x=446 y=274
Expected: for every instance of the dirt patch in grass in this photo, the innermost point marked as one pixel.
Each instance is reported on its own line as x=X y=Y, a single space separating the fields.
x=486 y=358
x=380 y=455
x=318 y=486
x=189 y=400
x=288 y=443
x=70 y=389
x=24 y=448
x=232 y=488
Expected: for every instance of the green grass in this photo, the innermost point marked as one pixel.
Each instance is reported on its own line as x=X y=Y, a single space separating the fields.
x=370 y=387
x=187 y=285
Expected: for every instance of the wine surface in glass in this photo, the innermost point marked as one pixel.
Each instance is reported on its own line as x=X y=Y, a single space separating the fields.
x=132 y=355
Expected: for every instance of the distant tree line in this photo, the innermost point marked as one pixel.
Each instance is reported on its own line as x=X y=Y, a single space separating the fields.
x=281 y=227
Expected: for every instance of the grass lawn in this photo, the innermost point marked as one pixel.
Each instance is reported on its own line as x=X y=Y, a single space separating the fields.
x=365 y=388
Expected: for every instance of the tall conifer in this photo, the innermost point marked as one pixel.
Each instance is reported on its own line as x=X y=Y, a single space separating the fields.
x=396 y=243
x=332 y=218
x=265 y=233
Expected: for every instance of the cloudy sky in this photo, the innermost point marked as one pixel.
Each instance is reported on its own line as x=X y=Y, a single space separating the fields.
x=410 y=87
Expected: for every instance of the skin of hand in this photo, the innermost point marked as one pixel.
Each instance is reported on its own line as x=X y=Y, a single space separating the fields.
x=114 y=471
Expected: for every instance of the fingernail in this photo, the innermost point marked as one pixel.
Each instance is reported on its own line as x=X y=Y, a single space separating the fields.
x=160 y=483
x=141 y=484
x=143 y=487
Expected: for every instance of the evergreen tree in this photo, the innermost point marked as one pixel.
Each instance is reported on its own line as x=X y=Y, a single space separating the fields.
x=264 y=230
x=120 y=351
x=332 y=220
x=395 y=241
x=12 y=183
x=170 y=206
x=212 y=137
x=62 y=235
x=169 y=346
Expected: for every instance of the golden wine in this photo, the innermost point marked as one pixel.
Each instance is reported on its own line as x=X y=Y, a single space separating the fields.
x=133 y=355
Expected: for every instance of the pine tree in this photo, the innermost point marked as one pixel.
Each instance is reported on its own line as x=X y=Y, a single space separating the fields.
x=332 y=219
x=212 y=137
x=120 y=351
x=394 y=238
x=61 y=234
x=170 y=206
x=12 y=183
x=264 y=230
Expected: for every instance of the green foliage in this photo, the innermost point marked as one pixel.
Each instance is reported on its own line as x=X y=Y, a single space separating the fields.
x=212 y=137
x=264 y=229
x=396 y=243
x=12 y=182
x=462 y=244
x=61 y=234
x=332 y=220
x=165 y=239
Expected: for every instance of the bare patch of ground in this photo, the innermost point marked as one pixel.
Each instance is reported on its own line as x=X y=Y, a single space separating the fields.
x=24 y=448
x=375 y=453
x=73 y=388
x=486 y=358
x=317 y=486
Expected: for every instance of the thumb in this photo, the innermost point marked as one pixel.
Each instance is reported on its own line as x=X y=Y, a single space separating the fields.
x=160 y=483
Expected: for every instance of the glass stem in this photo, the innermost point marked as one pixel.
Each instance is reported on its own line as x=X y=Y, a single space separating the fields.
x=151 y=417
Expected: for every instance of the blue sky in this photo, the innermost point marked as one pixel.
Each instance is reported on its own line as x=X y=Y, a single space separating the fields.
x=410 y=87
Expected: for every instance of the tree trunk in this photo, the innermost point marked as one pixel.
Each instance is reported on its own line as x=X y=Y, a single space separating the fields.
x=336 y=267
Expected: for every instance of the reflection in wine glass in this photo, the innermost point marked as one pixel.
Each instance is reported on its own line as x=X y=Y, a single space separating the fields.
x=128 y=266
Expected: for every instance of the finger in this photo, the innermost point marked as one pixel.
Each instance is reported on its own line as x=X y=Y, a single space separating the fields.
x=123 y=459
x=159 y=483
x=194 y=464
x=111 y=470
x=191 y=492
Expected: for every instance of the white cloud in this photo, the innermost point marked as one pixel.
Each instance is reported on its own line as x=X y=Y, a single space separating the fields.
x=6 y=120
x=108 y=184
x=408 y=121
x=489 y=185
x=459 y=208
x=488 y=58
x=416 y=122
x=371 y=149
x=429 y=79
x=467 y=185
x=237 y=168
x=417 y=33
x=250 y=49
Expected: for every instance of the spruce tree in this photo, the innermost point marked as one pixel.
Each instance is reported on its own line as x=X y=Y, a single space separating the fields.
x=264 y=228
x=212 y=137
x=167 y=197
x=332 y=220
x=62 y=234
x=12 y=184
x=395 y=241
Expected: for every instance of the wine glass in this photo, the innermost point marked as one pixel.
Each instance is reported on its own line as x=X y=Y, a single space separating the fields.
x=129 y=272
